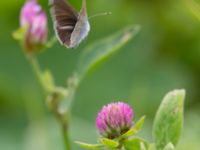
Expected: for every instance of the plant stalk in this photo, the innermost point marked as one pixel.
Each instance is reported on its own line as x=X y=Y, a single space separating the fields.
x=39 y=74
x=66 y=137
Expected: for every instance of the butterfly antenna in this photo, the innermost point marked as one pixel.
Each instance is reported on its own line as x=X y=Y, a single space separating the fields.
x=101 y=14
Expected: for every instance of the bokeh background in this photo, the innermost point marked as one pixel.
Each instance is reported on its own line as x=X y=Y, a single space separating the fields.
x=164 y=56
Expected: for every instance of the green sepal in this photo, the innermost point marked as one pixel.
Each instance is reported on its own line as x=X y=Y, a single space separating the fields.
x=139 y=123
x=19 y=33
x=109 y=143
x=89 y=146
x=135 y=129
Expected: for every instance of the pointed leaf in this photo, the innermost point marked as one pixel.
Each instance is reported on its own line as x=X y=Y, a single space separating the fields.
x=139 y=124
x=109 y=143
x=100 y=50
x=129 y=133
x=89 y=146
x=169 y=119
x=135 y=129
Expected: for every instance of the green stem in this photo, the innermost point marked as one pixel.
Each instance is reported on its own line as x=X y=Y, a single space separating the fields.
x=66 y=137
x=37 y=70
x=49 y=88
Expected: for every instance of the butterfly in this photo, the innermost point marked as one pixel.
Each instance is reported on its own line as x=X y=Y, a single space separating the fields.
x=70 y=26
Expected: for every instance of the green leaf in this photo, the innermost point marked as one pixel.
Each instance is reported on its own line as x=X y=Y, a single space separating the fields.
x=136 y=144
x=129 y=133
x=101 y=50
x=135 y=129
x=89 y=146
x=19 y=33
x=169 y=119
x=109 y=143
x=139 y=124
x=194 y=8
x=169 y=146
x=48 y=80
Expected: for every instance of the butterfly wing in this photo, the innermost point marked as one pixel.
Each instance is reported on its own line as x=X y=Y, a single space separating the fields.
x=82 y=27
x=65 y=19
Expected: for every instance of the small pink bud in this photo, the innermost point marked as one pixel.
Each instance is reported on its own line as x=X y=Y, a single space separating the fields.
x=34 y=20
x=114 y=119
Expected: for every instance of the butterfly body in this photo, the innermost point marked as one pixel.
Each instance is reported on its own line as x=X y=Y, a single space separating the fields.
x=71 y=27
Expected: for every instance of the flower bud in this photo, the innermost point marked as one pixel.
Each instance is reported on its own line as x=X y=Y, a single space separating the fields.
x=34 y=20
x=114 y=120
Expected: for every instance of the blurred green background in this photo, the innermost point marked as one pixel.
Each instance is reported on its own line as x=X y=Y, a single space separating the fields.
x=164 y=56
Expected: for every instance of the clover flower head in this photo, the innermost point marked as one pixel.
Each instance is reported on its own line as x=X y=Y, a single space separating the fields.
x=114 y=119
x=34 y=20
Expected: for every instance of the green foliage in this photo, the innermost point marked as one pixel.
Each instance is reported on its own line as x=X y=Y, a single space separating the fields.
x=109 y=143
x=168 y=122
x=151 y=147
x=89 y=146
x=166 y=130
x=169 y=146
x=48 y=80
x=19 y=34
x=45 y=77
x=136 y=144
x=166 y=55
x=194 y=8
x=102 y=49
x=122 y=141
x=135 y=129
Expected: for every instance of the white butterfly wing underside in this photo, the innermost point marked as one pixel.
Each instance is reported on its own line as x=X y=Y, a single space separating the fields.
x=82 y=27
